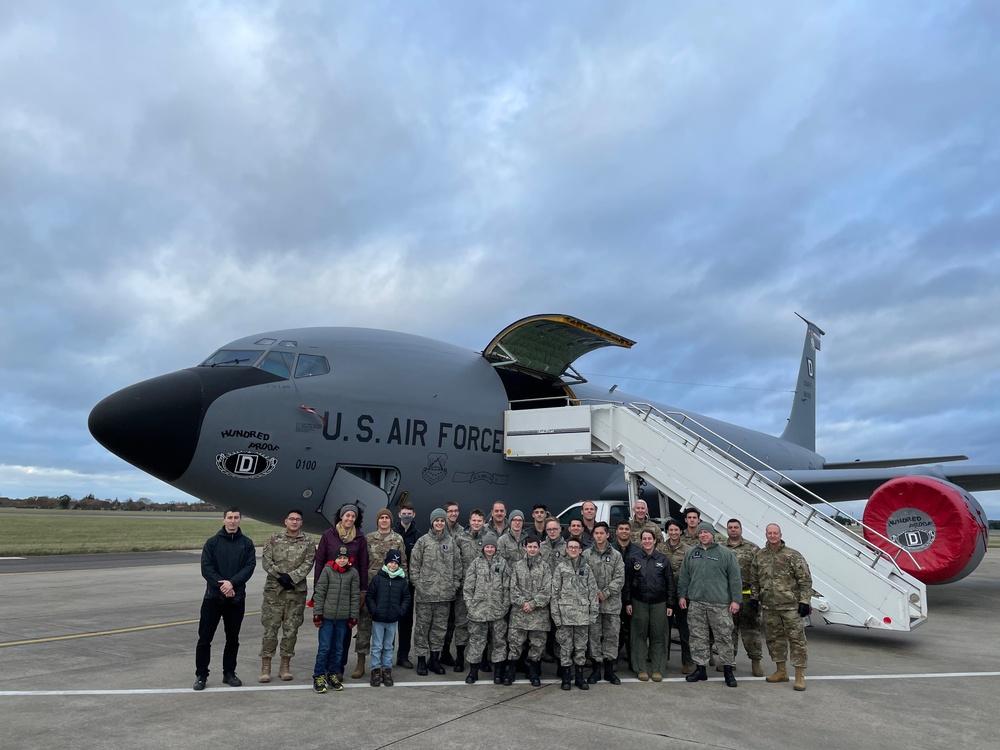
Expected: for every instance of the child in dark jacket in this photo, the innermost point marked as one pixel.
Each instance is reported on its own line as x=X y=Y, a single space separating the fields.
x=336 y=604
x=387 y=599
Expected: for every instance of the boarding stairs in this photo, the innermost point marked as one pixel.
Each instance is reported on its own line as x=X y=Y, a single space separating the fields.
x=854 y=582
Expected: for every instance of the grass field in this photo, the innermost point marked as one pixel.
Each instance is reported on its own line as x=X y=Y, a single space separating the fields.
x=64 y=532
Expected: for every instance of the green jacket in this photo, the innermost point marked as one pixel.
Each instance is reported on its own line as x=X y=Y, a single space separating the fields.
x=337 y=596
x=293 y=555
x=780 y=578
x=711 y=575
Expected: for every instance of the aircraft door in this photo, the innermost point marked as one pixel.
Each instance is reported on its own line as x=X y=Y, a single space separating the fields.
x=368 y=487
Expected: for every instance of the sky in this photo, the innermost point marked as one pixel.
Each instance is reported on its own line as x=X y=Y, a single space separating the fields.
x=689 y=175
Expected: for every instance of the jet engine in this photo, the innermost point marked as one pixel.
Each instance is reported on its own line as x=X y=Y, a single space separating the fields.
x=940 y=525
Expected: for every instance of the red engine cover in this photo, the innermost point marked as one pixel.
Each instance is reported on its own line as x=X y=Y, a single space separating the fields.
x=941 y=525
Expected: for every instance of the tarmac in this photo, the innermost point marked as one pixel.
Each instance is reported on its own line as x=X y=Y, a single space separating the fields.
x=97 y=651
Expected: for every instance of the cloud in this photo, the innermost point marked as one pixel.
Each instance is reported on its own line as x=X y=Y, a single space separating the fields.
x=175 y=178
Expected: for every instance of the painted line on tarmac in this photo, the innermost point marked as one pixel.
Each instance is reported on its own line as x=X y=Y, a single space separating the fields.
x=137 y=628
x=221 y=690
x=11 y=558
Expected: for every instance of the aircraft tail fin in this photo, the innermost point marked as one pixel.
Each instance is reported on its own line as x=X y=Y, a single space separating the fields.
x=801 y=427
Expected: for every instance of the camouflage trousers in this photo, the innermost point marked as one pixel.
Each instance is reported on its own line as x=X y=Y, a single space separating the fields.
x=282 y=610
x=704 y=620
x=572 y=642
x=784 y=630
x=458 y=622
x=430 y=623
x=746 y=623
x=496 y=630
x=536 y=643
x=363 y=640
x=603 y=636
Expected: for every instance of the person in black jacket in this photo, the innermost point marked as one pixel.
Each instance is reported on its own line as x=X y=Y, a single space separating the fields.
x=387 y=600
x=406 y=527
x=650 y=597
x=228 y=560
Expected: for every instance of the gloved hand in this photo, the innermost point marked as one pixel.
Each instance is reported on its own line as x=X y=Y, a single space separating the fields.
x=318 y=621
x=755 y=605
x=309 y=603
x=351 y=622
x=286 y=581
x=804 y=609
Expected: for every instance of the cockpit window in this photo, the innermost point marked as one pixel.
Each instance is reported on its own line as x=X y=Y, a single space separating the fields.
x=289 y=343
x=232 y=358
x=310 y=365
x=265 y=342
x=278 y=363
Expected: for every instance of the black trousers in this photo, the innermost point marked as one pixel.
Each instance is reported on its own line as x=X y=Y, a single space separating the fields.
x=230 y=611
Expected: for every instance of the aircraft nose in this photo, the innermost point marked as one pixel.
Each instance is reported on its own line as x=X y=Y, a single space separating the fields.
x=154 y=425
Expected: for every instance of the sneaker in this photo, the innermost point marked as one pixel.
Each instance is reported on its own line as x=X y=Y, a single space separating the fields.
x=335 y=683
x=319 y=683
x=199 y=684
x=232 y=680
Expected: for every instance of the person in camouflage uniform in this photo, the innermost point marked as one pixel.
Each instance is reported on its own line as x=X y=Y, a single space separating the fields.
x=436 y=573
x=553 y=547
x=287 y=559
x=510 y=543
x=379 y=542
x=530 y=595
x=746 y=622
x=711 y=590
x=609 y=574
x=458 y=615
x=641 y=521
x=487 y=595
x=781 y=583
x=575 y=608
x=674 y=550
x=692 y=517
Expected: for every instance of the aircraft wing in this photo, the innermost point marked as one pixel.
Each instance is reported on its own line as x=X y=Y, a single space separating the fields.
x=835 y=485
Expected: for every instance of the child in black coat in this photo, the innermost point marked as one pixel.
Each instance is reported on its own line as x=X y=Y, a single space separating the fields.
x=387 y=600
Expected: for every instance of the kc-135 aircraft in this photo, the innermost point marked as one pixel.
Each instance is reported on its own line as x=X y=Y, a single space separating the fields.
x=311 y=418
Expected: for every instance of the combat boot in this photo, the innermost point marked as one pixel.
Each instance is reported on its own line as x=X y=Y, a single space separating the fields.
x=567 y=678
x=459 y=658
x=265 y=669
x=498 y=672
x=434 y=663
x=359 y=671
x=580 y=681
x=387 y=677
x=284 y=669
x=729 y=676
x=609 y=672
x=535 y=673
x=755 y=669
x=445 y=657
x=511 y=674
x=422 y=666
x=800 y=679
x=687 y=669
x=376 y=678
x=780 y=675
x=595 y=676
x=473 y=675
x=698 y=674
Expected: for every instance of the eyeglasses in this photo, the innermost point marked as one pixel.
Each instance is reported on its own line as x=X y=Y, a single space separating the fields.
x=294 y=520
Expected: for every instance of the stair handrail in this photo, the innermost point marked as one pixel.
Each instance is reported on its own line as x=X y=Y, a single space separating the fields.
x=645 y=410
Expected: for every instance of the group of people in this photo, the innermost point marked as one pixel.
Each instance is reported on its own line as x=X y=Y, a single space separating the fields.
x=509 y=593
